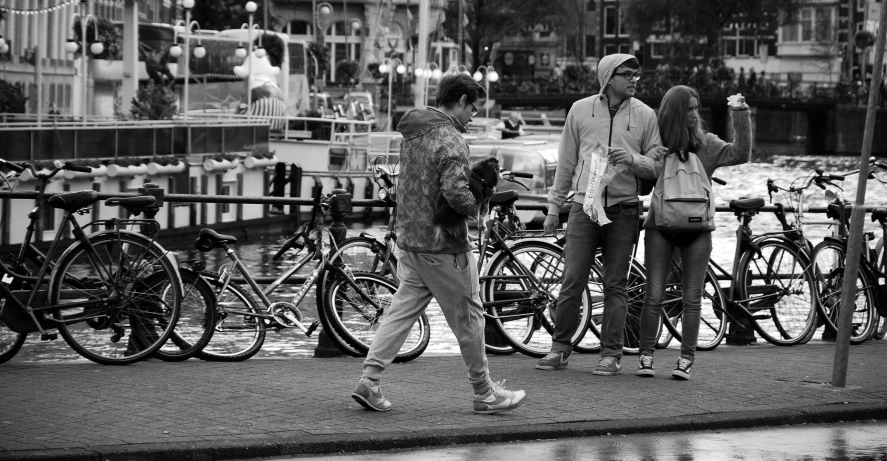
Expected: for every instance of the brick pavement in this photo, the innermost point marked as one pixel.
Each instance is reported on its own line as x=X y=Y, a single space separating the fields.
x=274 y=407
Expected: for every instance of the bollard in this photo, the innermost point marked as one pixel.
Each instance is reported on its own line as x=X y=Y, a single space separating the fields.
x=340 y=206
x=150 y=230
x=278 y=186
x=296 y=191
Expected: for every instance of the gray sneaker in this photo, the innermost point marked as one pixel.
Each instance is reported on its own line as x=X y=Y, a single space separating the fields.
x=553 y=361
x=369 y=394
x=608 y=366
x=498 y=399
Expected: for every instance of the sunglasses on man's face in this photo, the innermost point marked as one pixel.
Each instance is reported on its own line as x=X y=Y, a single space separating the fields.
x=473 y=109
x=629 y=75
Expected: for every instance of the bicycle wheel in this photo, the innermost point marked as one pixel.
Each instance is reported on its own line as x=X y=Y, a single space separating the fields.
x=197 y=318
x=524 y=311
x=829 y=256
x=356 y=321
x=637 y=286
x=364 y=254
x=776 y=285
x=115 y=312
x=712 y=319
x=10 y=341
x=239 y=331
x=881 y=265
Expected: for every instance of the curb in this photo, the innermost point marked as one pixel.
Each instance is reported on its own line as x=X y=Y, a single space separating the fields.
x=351 y=443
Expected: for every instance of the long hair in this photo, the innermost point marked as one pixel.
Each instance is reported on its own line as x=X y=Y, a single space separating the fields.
x=676 y=135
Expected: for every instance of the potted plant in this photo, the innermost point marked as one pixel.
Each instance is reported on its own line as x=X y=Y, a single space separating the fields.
x=126 y=167
x=165 y=164
x=260 y=158
x=221 y=162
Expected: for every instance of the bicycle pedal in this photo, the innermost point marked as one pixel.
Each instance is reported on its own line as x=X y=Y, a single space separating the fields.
x=49 y=336
x=312 y=327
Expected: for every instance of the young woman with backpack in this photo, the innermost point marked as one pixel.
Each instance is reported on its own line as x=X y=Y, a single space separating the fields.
x=682 y=132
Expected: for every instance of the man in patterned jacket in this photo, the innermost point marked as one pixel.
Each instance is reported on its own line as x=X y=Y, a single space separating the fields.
x=434 y=164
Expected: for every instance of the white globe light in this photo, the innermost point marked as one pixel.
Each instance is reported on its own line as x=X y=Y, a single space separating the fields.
x=418 y=72
x=2 y=42
x=493 y=76
x=383 y=68
x=188 y=4
x=325 y=10
x=435 y=74
x=175 y=51
x=240 y=71
x=251 y=7
x=96 y=48
x=466 y=73
x=478 y=76
x=355 y=24
x=71 y=46
x=199 y=51
x=240 y=52
x=260 y=52
x=401 y=68
x=5 y=48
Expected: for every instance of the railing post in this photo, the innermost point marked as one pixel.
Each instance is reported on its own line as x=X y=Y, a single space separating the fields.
x=340 y=206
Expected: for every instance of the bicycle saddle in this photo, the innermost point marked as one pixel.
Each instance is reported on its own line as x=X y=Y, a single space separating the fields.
x=504 y=198
x=210 y=240
x=746 y=203
x=73 y=201
x=879 y=214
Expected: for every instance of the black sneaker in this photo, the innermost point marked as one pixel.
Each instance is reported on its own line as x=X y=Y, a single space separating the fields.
x=682 y=369
x=645 y=366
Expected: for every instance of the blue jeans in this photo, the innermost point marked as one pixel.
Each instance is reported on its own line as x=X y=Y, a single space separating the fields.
x=616 y=240
x=452 y=280
x=657 y=259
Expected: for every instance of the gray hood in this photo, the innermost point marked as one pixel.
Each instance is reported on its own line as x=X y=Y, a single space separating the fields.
x=607 y=66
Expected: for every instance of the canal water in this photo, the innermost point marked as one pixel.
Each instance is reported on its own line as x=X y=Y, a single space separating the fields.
x=784 y=163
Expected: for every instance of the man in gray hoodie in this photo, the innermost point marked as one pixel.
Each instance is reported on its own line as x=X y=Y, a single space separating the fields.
x=628 y=128
x=434 y=165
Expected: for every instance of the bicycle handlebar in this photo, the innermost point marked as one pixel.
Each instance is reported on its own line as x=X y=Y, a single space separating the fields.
x=59 y=166
x=718 y=180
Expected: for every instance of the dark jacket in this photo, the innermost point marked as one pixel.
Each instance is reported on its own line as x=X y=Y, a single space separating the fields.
x=433 y=163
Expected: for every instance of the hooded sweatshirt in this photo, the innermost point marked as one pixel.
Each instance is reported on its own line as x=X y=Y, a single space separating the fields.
x=632 y=128
x=433 y=164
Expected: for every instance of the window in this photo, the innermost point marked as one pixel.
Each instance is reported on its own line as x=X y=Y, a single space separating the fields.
x=656 y=49
x=299 y=28
x=609 y=49
x=610 y=21
x=813 y=24
x=591 y=6
x=625 y=48
x=623 y=28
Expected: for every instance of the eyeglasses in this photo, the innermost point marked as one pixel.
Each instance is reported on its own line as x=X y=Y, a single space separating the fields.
x=474 y=110
x=629 y=75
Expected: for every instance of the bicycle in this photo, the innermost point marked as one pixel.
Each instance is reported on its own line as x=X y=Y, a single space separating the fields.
x=350 y=304
x=104 y=286
x=829 y=256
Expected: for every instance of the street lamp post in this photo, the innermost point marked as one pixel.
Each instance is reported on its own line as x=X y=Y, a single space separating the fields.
x=251 y=9
x=95 y=48
x=176 y=51
x=355 y=24
x=430 y=71
x=489 y=75
x=386 y=67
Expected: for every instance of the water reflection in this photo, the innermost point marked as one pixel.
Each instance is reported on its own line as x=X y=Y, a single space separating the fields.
x=842 y=441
